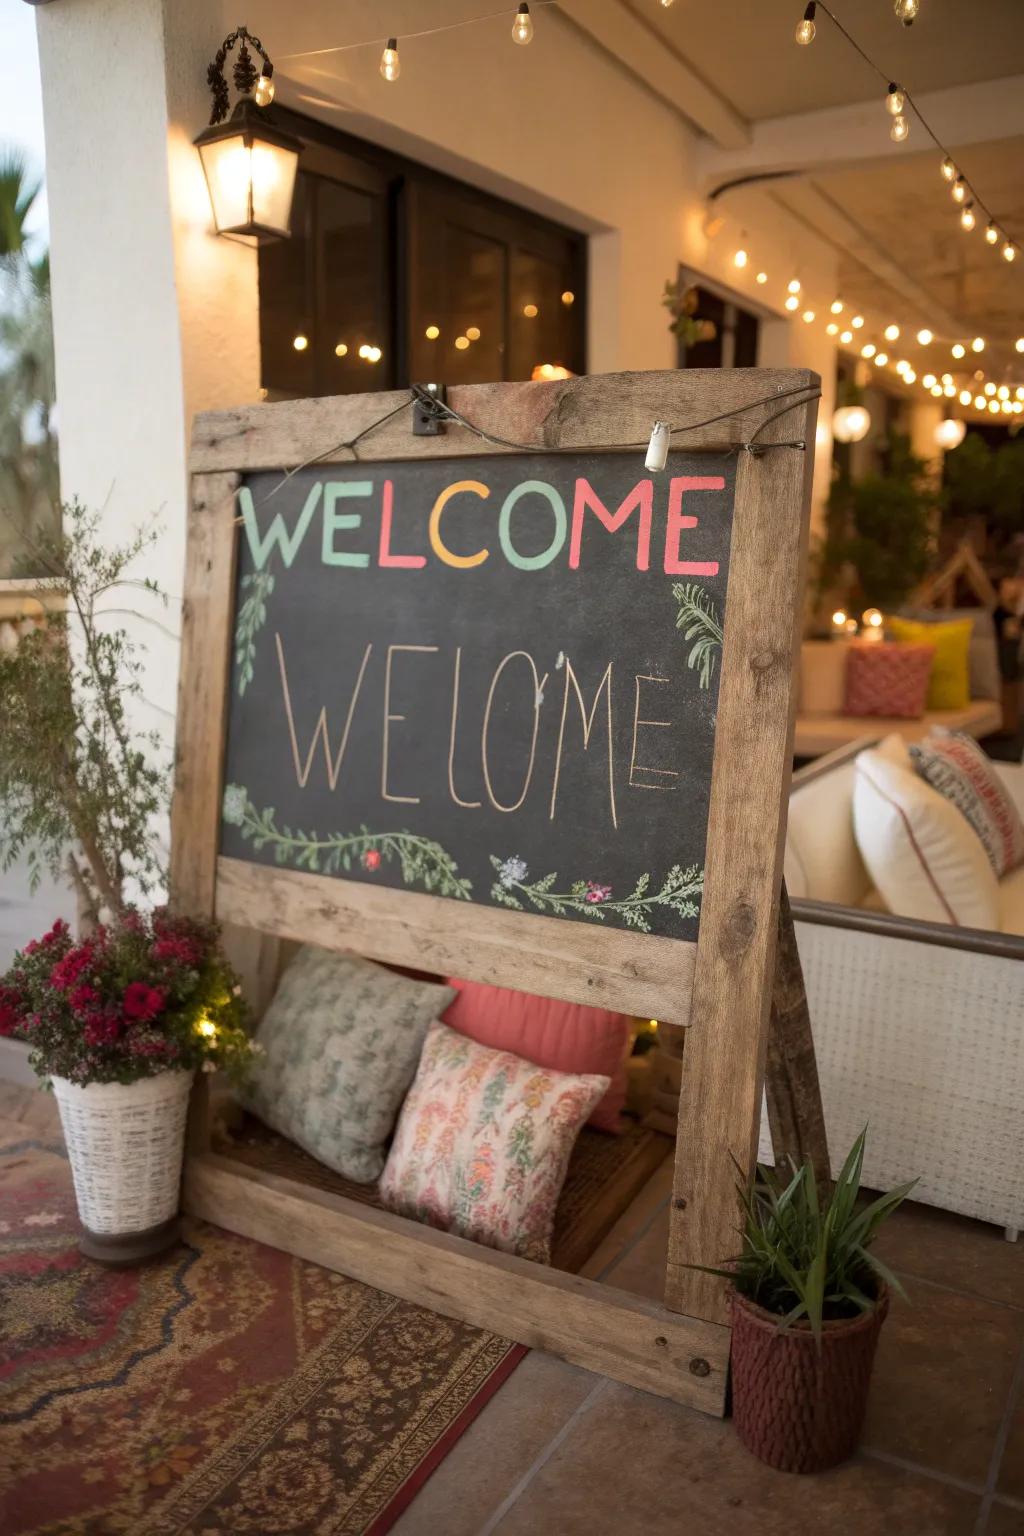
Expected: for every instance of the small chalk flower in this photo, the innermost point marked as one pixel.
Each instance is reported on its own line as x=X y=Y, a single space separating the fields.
x=512 y=872
x=371 y=859
x=235 y=801
x=596 y=893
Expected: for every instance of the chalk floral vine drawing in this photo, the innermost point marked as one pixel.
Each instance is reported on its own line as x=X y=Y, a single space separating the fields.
x=421 y=861
x=252 y=615
x=699 y=620
x=679 y=892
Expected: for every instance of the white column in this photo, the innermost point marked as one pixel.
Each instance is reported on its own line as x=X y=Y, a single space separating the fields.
x=155 y=317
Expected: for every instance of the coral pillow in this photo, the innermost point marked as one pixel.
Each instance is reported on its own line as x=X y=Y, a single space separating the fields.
x=568 y=1037
x=919 y=850
x=956 y=766
x=483 y=1143
x=889 y=680
x=950 y=686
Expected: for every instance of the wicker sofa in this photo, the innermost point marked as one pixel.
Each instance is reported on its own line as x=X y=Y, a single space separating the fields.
x=918 y=1026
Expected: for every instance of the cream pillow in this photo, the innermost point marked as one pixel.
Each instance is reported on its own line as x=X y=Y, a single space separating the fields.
x=921 y=853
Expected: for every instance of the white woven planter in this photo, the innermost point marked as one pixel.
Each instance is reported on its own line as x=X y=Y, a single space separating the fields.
x=125 y=1143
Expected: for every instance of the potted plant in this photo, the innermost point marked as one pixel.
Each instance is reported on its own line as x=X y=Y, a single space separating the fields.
x=808 y=1301
x=119 y=1022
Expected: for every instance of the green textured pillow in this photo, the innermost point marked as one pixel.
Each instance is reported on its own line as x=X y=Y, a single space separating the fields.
x=342 y=1039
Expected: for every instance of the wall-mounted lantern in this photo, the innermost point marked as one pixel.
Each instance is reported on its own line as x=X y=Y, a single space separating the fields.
x=248 y=161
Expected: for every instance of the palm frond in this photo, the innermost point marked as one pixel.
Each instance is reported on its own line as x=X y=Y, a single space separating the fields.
x=700 y=623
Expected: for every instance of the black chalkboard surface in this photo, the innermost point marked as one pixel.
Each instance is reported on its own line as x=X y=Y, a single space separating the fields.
x=492 y=679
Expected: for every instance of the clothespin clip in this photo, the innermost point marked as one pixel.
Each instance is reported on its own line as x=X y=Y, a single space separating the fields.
x=657 y=448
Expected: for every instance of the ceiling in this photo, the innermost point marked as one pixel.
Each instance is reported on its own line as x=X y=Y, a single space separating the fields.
x=744 y=49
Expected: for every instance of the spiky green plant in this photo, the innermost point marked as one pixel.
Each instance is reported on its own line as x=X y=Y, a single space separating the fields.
x=805 y=1257
x=698 y=619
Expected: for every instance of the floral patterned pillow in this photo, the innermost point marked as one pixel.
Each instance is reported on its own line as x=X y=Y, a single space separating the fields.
x=483 y=1143
x=340 y=1040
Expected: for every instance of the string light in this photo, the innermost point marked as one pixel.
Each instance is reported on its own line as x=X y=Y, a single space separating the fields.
x=928 y=380
x=473 y=332
x=868 y=350
x=341 y=350
x=967 y=219
x=263 y=95
x=906 y=11
x=990 y=389
x=793 y=286
x=980 y=402
x=740 y=259
x=881 y=358
x=978 y=344
x=924 y=337
x=991 y=233
x=892 y=333
x=1019 y=344
x=900 y=130
x=805 y=29
x=965 y=397
x=832 y=329
x=836 y=306
x=902 y=365
x=846 y=337
x=1009 y=251
x=909 y=376
x=895 y=100
x=300 y=342
x=808 y=316
x=958 y=191
x=522 y=27
x=958 y=349
x=432 y=332
x=762 y=277
x=793 y=302
x=390 y=63
x=948 y=170
x=857 y=322
x=1003 y=392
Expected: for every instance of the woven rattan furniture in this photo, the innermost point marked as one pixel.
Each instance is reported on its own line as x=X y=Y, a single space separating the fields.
x=918 y=1026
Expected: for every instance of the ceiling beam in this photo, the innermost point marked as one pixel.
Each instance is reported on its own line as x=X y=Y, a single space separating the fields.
x=652 y=59
x=845 y=137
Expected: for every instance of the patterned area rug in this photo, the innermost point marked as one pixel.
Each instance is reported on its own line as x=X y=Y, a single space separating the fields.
x=227 y=1388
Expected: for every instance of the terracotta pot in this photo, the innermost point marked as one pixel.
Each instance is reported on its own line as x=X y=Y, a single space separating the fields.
x=797 y=1407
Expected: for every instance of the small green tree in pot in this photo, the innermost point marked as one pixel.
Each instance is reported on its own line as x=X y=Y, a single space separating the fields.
x=880 y=528
x=119 y=1021
x=808 y=1301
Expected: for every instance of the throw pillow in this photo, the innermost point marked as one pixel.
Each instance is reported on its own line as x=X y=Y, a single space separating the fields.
x=983 y=654
x=483 y=1143
x=890 y=680
x=341 y=1040
x=954 y=764
x=567 y=1037
x=919 y=851
x=949 y=687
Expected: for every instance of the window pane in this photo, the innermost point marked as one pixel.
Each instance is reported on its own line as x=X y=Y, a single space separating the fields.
x=354 y=310
x=460 y=288
x=286 y=303
x=543 y=322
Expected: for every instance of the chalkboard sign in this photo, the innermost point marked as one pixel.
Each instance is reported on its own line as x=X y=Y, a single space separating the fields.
x=493 y=679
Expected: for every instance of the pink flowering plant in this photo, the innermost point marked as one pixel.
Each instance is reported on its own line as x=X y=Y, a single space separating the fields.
x=150 y=994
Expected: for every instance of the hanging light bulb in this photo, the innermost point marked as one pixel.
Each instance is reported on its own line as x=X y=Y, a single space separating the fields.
x=1019 y=344
x=1003 y=392
x=906 y=11
x=741 y=258
x=808 y=316
x=895 y=100
x=793 y=285
x=263 y=95
x=857 y=322
x=924 y=337
x=806 y=29
x=928 y=380
x=967 y=219
x=948 y=170
x=390 y=63
x=901 y=365
x=836 y=306
x=965 y=397
x=958 y=349
x=892 y=333
x=1009 y=251
x=991 y=233
x=762 y=277
x=832 y=329
x=793 y=302
x=958 y=191
x=990 y=388
x=980 y=402
x=522 y=27
x=881 y=358
x=909 y=376
x=846 y=337
x=978 y=344
x=899 y=130
x=868 y=349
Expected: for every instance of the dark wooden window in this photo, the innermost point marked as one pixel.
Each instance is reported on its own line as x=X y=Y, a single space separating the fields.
x=448 y=283
x=734 y=344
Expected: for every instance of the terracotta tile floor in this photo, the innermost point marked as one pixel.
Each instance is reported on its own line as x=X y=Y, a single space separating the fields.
x=561 y=1452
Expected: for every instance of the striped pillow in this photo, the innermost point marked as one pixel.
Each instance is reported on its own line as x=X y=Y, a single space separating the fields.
x=954 y=764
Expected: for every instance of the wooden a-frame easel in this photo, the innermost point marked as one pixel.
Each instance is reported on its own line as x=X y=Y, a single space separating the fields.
x=724 y=987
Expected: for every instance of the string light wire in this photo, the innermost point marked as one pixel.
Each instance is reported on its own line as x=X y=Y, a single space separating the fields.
x=404 y=37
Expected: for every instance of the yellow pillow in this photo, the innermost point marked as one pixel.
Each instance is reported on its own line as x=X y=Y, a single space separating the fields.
x=949 y=686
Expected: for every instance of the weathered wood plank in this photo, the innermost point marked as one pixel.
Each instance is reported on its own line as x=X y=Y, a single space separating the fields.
x=591 y=412
x=610 y=968
x=202 y=692
x=601 y=1329
x=795 y=1112
x=723 y=1063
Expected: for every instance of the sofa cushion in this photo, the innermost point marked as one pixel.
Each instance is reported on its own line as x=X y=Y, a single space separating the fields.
x=341 y=1040
x=889 y=680
x=568 y=1037
x=956 y=766
x=1011 y=903
x=922 y=855
x=949 y=687
x=983 y=652
x=484 y=1141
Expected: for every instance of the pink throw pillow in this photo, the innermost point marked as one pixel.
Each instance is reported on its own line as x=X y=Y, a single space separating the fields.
x=564 y=1037
x=890 y=680
x=483 y=1143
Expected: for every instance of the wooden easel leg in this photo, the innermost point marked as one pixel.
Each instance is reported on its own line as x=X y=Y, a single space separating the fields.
x=795 y=1113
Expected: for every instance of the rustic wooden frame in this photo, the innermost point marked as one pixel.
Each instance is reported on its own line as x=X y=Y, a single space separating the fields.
x=722 y=984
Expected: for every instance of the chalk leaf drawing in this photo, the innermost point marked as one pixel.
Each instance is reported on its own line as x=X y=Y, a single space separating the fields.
x=679 y=892
x=251 y=618
x=699 y=620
